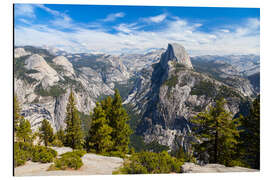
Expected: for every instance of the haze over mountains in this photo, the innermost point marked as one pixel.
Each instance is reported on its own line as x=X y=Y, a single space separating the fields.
x=163 y=87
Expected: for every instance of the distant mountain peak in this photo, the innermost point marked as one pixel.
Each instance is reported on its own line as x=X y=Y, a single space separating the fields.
x=176 y=52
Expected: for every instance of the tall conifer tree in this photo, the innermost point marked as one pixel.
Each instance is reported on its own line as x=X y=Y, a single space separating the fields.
x=119 y=122
x=17 y=115
x=251 y=135
x=24 y=132
x=74 y=135
x=99 y=137
x=46 y=132
x=218 y=133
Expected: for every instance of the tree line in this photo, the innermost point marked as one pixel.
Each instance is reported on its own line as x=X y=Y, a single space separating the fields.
x=109 y=131
x=220 y=138
x=226 y=140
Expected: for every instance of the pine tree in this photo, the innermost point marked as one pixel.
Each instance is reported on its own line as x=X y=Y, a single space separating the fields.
x=118 y=121
x=16 y=111
x=73 y=131
x=217 y=133
x=24 y=132
x=99 y=137
x=46 y=132
x=60 y=134
x=251 y=135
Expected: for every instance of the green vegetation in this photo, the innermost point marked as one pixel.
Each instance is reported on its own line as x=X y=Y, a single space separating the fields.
x=68 y=160
x=225 y=92
x=24 y=151
x=73 y=131
x=46 y=132
x=86 y=121
x=56 y=67
x=179 y=67
x=250 y=138
x=206 y=88
x=76 y=85
x=17 y=116
x=100 y=132
x=21 y=72
x=218 y=134
x=133 y=115
x=172 y=81
x=24 y=132
x=150 y=163
x=43 y=154
x=109 y=131
x=60 y=135
x=51 y=91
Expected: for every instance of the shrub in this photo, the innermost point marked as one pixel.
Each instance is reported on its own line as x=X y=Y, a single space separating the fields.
x=54 y=91
x=80 y=152
x=43 y=154
x=56 y=142
x=172 y=81
x=68 y=160
x=206 y=88
x=22 y=153
x=115 y=154
x=150 y=162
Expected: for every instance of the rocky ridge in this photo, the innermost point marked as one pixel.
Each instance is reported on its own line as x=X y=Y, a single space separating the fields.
x=170 y=92
x=168 y=88
x=44 y=82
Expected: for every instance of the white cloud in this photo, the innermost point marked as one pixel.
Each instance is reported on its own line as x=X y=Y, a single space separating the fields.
x=62 y=21
x=156 y=19
x=24 y=21
x=24 y=10
x=225 y=30
x=239 y=39
x=112 y=17
x=126 y=28
x=53 y=12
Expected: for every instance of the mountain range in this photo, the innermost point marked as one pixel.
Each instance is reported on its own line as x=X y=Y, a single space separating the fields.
x=161 y=89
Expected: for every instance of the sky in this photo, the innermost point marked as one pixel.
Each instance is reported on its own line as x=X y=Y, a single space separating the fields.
x=137 y=29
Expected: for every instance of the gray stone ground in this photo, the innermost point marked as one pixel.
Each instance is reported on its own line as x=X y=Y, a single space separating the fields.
x=96 y=164
x=93 y=164
x=213 y=168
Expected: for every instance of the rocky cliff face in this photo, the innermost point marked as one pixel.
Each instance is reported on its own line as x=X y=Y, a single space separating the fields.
x=43 y=83
x=170 y=92
x=169 y=87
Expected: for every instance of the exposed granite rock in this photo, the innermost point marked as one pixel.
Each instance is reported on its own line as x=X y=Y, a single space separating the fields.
x=65 y=64
x=165 y=97
x=45 y=73
x=176 y=52
x=87 y=83
x=213 y=168
x=19 y=52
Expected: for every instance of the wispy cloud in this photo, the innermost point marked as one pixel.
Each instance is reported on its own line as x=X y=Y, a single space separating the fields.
x=127 y=28
x=112 y=17
x=25 y=10
x=242 y=38
x=25 y=21
x=156 y=19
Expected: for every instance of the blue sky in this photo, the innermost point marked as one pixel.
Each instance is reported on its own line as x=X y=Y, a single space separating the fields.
x=134 y=29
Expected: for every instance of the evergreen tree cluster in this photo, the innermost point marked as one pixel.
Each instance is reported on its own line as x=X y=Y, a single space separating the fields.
x=226 y=140
x=250 y=136
x=109 y=131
